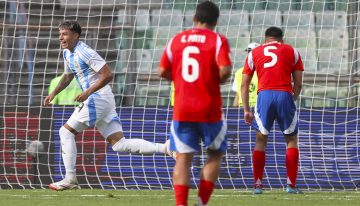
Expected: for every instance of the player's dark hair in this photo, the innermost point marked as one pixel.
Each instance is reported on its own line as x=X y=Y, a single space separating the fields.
x=207 y=12
x=274 y=32
x=72 y=25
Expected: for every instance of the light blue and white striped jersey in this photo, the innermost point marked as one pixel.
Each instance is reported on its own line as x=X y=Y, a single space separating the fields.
x=85 y=63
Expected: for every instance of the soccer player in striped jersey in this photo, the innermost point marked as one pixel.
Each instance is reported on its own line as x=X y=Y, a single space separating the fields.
x=197 y=60
x=275 y=63
x=97 y=104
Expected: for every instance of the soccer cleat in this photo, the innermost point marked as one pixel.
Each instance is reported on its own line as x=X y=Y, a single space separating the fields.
x=172 y=154
x=64 y=185
x=257 y=191
x=294 y=190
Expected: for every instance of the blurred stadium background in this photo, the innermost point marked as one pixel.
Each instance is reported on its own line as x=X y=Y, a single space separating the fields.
x=131 y=36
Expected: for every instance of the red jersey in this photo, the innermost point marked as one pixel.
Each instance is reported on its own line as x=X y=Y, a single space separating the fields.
x=274 y=63
x=194 y=57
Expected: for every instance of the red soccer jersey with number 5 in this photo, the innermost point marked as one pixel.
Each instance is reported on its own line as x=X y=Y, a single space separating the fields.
x=194 y=57
x=274 y=63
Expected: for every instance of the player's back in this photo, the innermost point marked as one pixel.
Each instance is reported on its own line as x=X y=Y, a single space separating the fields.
x=195 y=65
x=274 y=63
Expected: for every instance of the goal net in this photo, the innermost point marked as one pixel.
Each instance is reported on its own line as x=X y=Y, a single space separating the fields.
x=131 y=36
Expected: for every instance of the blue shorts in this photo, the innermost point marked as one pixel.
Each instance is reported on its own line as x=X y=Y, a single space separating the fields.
x=185 y=136
x=276 y=105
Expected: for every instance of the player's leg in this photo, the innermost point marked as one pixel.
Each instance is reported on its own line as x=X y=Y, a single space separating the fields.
x=120 y=144
x=85 y=115
x=292 y=160
x=261 y=141
x=68 y=147
x=113 y=133
x=287 y=120
x=184 y=140
x=208 y=176
x=109 y=125
x=265 y=113
x=259 y=160
x=181 y=178
x=67 y=137
x=214 y=136
x=211 y=169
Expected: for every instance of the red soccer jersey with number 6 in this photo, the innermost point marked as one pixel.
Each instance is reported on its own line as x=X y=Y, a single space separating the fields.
x=274 y=63
x=194 y=57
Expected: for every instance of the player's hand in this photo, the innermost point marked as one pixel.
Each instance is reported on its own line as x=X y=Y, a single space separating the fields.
x=48 y=99
x=82 y=97
x=249 y=118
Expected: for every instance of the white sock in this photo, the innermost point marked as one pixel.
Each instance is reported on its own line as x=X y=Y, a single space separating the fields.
x=161 y=147
x=138 y=146
x=68 y=147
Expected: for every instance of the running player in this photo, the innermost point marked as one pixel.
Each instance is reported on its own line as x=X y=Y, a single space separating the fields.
x=275 y=63
x=97 y=107
x=197 y=60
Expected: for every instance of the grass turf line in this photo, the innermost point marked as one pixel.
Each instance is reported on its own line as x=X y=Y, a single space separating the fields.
x=86 y=197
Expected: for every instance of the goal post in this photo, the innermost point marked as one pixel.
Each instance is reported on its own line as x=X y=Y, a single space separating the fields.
x=131 y=36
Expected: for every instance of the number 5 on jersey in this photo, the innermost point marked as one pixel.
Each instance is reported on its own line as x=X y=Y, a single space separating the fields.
x=187 y=61
x=270 y=54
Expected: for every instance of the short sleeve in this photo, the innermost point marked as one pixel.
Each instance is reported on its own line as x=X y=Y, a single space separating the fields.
x=91 y=57
x=223 y=52
x=298 y=62
x=166 y=58
x=96 y=62
x=67 y=69
x=249 y=67
x=235 y=85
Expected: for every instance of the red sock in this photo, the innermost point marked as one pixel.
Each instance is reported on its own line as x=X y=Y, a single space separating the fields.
x=205 y=190
x=181 y=194
x=292 y=161
x=258 y=167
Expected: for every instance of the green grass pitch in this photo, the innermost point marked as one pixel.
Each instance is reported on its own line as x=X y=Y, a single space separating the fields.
x=87 y=197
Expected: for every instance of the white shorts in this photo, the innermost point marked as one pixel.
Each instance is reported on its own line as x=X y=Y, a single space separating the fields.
x=95 y=111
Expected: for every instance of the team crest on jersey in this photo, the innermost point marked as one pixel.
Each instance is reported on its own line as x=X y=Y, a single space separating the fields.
x=76 y=63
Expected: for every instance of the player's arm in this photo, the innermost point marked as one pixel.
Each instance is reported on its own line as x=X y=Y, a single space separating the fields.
x=297 y=78
x=235 y=88
x=223 y=60
x=105 y=78
x=248 y=72
x=225 y=73
x=165 y=64
x=52 y=87
x=236 y=100
x=64 y=82
x=162 y=72
x=246 y=80
x=248 y=115
x=297 y=75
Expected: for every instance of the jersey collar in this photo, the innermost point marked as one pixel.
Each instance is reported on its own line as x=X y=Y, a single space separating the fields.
x=77 y=44
x=272 y=42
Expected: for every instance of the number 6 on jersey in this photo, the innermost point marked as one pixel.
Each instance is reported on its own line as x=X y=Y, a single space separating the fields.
x=187 y=61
